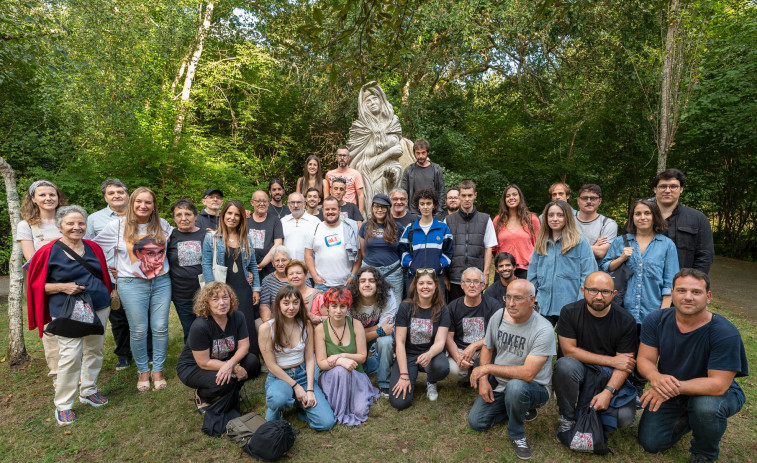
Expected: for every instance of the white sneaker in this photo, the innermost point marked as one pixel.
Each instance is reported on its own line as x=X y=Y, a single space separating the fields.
x=431 y=392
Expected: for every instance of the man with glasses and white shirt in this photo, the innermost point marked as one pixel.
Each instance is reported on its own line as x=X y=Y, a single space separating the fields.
x=598 y=230
x=299 y=227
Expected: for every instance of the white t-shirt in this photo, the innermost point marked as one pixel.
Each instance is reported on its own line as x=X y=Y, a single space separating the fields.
x=49 y=232
x=112 y=238
x=297 y=233
x=329 y=254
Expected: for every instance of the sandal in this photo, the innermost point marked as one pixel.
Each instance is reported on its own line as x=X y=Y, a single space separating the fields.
x=201 y=406
x=158 y=384
x=143 y=386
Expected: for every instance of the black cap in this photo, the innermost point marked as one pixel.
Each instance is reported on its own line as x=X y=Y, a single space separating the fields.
x=210 y=191
x=382 y=199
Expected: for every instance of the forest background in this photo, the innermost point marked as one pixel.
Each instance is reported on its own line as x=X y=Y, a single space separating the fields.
x=183 y=95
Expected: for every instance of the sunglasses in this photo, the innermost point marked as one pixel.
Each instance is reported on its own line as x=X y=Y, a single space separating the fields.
x=422 y=271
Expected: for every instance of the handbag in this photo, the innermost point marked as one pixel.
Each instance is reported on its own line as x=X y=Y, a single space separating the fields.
x=218 y=415
x=241 y=429
x=77 y=318
x=620 y=277
x=219 y=271
x=587 y=435
x=271 y=441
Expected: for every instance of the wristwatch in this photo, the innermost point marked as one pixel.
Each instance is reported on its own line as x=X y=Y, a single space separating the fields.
x=612 y=390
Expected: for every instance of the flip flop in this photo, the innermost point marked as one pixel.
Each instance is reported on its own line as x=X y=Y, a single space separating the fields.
x=201 y=406
x=158 y=384
x=143 y=386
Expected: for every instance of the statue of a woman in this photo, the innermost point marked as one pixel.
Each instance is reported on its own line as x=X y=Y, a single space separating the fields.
x=378 y=150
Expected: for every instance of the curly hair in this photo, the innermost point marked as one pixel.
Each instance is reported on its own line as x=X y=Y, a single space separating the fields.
x=383 y=288
x=203 y=296
x=338 y=295
x=427 y=193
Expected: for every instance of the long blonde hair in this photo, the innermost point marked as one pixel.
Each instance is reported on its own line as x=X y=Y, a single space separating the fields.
x=131 y=227
x=570 y=235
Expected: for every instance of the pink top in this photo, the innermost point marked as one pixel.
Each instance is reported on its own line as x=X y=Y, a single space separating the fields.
x=354 y=182
x=517 y=242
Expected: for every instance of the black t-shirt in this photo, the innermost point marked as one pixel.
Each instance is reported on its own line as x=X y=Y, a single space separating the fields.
x=278 y=211
x=350 y=211
x=404 y=221
x=205 y=334
x=420 y=331
x=714 y=346
x=609 y=335
x=184 y=253
x=469 y=323
x=497 y=290
x=263 y=233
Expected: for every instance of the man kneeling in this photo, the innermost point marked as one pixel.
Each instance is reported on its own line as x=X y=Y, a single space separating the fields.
x=693 y=387
x=522 y=344
x=599 y=341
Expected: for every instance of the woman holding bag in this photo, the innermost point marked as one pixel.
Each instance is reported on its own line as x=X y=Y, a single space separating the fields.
x=228 y=257
x=60 y=269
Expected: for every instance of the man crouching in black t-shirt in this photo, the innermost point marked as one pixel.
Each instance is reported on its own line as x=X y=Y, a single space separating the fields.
x=693 y=387
x=599 y=341
x=469 y=318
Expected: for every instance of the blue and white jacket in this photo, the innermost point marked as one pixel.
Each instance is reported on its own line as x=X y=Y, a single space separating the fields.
x=432 y=250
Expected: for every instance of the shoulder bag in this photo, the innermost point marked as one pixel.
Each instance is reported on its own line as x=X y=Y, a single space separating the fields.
x=219 y=271
x=620 y=277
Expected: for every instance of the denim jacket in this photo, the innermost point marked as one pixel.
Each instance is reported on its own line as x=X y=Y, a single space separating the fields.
x=249 y=264
x=652 y=276
x=558 y=277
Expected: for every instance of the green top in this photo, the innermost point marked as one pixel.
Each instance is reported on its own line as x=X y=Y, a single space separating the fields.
x=333 y=349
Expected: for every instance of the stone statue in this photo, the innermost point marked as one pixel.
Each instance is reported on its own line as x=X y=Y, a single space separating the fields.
x=377 y=148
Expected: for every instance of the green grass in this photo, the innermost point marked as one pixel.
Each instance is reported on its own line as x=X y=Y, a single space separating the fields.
x=164 y=426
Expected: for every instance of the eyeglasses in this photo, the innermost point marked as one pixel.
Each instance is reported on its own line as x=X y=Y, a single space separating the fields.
x=399 y=200
x=517 y=299
x=595 y=291
x=589 y=198
x=668 y=187
x=472 y=282
x=425 y=270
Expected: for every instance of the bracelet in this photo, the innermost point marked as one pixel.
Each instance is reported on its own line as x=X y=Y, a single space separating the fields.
x=235 y=369
x=380 y=331
x=309 y=390
x=405 y=374
x=295 y=385
x=406 y=379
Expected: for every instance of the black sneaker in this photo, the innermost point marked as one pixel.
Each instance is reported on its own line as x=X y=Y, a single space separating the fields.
x=531 y=415
x=123 y=363
x=385 y=391
x=699 y=458
x=522 y=449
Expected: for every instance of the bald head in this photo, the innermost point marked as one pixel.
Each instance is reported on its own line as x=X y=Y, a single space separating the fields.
x=523 y=285
x=599 y=280
x=259 y=202
x=519 y=302
x=598 y=290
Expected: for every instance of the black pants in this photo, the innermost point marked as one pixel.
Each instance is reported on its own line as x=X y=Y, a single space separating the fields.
x=119 y=325
x=437 y=370
x=205 y=380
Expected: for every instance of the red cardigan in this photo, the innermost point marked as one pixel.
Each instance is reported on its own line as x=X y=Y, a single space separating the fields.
x=36 y=299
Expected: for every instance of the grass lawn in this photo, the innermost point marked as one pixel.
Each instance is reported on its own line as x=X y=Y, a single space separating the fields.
x=164 y=426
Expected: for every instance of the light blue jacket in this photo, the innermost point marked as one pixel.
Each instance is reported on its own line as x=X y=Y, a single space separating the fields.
x=249 y=264
x=652 y=276
x=558 y=277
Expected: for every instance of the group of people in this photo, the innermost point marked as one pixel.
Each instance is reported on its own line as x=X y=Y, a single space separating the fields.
x=327 y=294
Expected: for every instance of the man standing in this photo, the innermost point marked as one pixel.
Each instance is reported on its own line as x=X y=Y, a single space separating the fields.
x=352 y=178
x=599 y=341
x=117 y=199
x=265 y=232
x=298 y=227
x=521 y=342
x=401 y=216
x=474 y=237
x=277 y=192
x=561 y=190
x=688 y=228
x=469 y=318
x=312 y=201
x=504 y=265
x=346 y=210
x=423 y=174
x=598 y=230
x=453 y=204
x=690 y=357
x=332 y=253
x=208 y=218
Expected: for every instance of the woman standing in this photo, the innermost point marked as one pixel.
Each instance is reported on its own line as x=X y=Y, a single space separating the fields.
x=55 y=274
x=516 y=229
x=379 y=243
x=139 y=243
x=37 y=228
x=312 y=177
x=651 y=255
x=420 y=333
x=273 y=282
x=340 y=351
x=216 y=355
x=185 y=258
x=286 y=342
x=561 y=261
x=231 y=246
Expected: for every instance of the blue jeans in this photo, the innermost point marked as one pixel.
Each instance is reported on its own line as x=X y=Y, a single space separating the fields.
x=705 y=415
x=279 y=396
x=381 y=360
x=185 y=311
x=511 y=404
x=139 y=297
x=395 y=279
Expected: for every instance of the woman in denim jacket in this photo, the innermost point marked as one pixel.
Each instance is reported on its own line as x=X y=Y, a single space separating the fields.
x=651 y=255
x=234 y=251
x=561 y=261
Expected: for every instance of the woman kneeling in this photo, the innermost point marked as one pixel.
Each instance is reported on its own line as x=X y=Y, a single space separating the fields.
x=340 y=350
x=216 y=355
x=286 y=343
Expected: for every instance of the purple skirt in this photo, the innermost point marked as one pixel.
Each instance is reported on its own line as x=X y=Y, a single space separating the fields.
x=350 y=394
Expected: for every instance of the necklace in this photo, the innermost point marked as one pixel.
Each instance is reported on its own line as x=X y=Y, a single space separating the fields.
x=339 y=338
x=287 y=336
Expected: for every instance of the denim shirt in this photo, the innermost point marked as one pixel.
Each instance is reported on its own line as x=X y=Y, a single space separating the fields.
x=558 y=277
x=652 y=273
x=249 y=264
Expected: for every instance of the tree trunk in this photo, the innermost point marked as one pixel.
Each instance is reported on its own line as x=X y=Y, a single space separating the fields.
x=191 y=70
x=670 y=57
x=16 y=347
